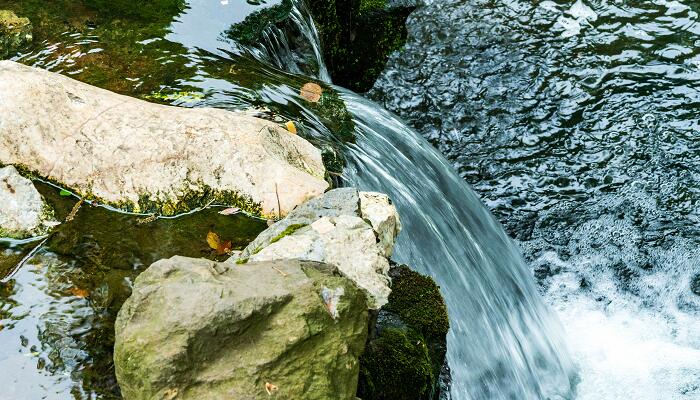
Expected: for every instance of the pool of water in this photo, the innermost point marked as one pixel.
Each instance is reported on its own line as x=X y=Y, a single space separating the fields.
x=59 y=295
x=577 y=123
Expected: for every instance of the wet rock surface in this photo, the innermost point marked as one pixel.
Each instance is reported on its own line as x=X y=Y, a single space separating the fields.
x=194 y=329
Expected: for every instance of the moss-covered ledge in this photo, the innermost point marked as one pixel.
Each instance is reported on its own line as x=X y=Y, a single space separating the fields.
x=405 y=354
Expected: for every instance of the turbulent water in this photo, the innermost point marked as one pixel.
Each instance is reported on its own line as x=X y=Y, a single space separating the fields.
x=577 y=123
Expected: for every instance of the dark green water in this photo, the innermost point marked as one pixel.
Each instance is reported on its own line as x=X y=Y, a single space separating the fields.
x=577 y=123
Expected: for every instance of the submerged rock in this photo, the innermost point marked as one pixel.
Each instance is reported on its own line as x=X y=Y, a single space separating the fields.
x=15 y=32
x=23 y=212
x=405 y=354
x=352 y=230
x=195 y=329
x=147 y=157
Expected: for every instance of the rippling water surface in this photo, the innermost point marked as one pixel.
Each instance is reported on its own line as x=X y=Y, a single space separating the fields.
x=578 y=124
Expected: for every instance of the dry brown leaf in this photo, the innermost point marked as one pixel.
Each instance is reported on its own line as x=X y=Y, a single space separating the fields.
x=311 y=92
x=170 y=394
x=221 y=246
x=270 y=388
x=78 y=292
x=291 y=127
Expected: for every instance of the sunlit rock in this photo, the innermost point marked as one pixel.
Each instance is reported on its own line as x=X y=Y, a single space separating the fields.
x=147 y=157
x=196 y=329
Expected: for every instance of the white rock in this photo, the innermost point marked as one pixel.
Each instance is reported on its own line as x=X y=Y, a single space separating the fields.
x=354 y=231
x=381 y=213
x=119 y=148
x=347 y=242
x=23 y=212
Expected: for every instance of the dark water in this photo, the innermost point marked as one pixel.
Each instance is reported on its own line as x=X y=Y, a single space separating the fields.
x=577 y=123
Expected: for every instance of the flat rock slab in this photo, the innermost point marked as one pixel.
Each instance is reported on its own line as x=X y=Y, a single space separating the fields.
x=195 y=329
x=148 y=157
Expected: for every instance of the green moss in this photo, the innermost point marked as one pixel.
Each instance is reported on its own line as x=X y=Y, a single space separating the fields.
x=242 y=261
x=396 y=366
x=290 y=230
x=417 y=300
x=250 y=31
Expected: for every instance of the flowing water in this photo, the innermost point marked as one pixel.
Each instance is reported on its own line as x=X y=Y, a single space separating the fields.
x=577 y=123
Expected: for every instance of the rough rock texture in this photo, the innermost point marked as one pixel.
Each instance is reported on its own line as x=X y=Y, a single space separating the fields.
x=405 y=354
x=337 y=228
x=147 y=157
x=23 y=212
x=195 y=329
x=15 y=32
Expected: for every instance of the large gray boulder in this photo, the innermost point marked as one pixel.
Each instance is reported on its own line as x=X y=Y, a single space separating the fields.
x=355 y=231
x=147 y=157
x=195 y=329
x=23 y=212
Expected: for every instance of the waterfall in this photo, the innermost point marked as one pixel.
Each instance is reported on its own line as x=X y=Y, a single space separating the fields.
x=504 y=343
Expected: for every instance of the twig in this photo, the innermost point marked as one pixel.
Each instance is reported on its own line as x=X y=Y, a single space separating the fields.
x=281 y=272
x=75 y=210
x=279 y=206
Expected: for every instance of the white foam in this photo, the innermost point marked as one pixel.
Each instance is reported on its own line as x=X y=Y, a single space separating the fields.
x=624 y=352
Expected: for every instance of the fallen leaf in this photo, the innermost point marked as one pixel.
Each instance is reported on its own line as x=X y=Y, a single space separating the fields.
x=78 y=292
x=270 y=388
x=311 y=92
x=291 y=127
x=230 y=211
x=170 y=394
x=221 y=246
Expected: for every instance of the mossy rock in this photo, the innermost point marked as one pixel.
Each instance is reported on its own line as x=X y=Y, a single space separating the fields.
x=405 y=354
x=417 y=300
x=358 y=37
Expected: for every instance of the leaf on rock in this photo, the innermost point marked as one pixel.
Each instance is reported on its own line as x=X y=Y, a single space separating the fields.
x=270 y=388
x=311 y=92
x=291 y=127
x=220 y=246
x=78 y=292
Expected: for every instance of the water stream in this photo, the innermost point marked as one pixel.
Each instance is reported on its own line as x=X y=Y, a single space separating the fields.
x=597 y=183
